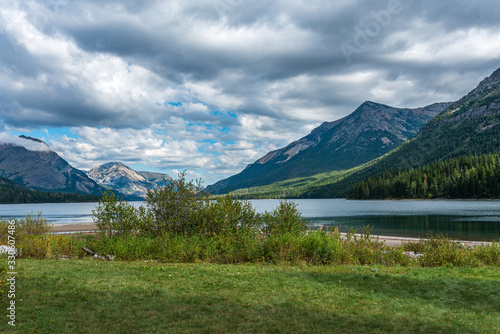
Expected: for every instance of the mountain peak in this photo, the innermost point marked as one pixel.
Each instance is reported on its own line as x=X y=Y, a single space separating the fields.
x=368 y=104
x=120 y=177
x=113 y=164
x=28 y=143
x=367 y=133
x=493 y=79
x=30 y=163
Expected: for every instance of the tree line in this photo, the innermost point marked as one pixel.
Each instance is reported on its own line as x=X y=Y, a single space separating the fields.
x=473 y=176
x=12 y=193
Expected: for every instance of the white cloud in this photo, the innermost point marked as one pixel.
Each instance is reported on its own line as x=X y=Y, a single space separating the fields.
x=28 y=144
x=434 y=45
x=212 y=86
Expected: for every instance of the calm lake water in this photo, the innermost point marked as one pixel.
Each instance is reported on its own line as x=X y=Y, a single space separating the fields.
x=466 y=220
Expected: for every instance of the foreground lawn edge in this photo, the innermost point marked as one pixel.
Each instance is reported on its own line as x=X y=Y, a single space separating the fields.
x=91 y=296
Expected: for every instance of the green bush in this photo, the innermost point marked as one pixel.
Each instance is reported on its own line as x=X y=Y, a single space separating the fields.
x=315 y=247
x=442 y=251
x=51 y=246
x=488 y=254
x=175 y=207
x=4 y=285
x=117 y=217
x=284 y=247
x=227 y=215
x=323 y=247
x=31 y=225
x=284 y=219
x=180 y=207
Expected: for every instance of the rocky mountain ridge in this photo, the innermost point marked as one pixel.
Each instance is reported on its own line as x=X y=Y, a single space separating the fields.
x=116 y=175
x=469 y=126
x=372 y=130
x=43 y=170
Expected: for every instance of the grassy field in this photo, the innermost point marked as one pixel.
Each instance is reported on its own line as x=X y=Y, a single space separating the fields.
x=91 y=296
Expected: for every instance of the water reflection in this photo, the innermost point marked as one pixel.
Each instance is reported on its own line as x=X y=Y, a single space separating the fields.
x=459 y=227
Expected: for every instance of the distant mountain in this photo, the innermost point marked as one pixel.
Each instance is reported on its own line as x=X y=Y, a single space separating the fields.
x=42 y=169
x=116 y=175
x=372 y=130
x=470 y=126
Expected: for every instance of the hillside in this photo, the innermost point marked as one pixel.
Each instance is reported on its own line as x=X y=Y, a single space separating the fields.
x=462 y=177
x=13 y=193
x=468 y=126
x=117 y=176
x=370 y=131
x=43 y=169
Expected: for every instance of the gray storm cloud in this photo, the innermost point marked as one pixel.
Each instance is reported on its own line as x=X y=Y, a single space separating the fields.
x=229 y=70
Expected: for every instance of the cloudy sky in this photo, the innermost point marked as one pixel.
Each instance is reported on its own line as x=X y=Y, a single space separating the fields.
x=211 y=86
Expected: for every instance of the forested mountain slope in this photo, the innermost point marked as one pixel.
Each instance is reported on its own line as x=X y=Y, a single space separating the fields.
x=469 y=126
x=372 y=130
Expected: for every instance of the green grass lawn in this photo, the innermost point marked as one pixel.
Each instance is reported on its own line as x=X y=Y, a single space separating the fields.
x=88 y=296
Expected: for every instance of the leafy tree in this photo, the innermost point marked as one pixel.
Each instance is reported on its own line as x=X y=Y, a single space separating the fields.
x=284 y=219
x=117 y=217
x=175 y=207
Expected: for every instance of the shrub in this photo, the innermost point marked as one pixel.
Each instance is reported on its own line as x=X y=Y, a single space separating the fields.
x=282 y=247
x=117 y=217
x=284 y=219
x=3 y=284
x=440 y=251
x=324 y=247
x=174 y=207
x=180 y=207
x=4 y=228
x=416 y=247
x=51 y=246
x=227 y=215
x=488 y=254
x=31 y=225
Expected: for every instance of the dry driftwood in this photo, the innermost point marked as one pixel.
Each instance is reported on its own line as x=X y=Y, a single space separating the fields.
x=97 y=256
x=85 y=249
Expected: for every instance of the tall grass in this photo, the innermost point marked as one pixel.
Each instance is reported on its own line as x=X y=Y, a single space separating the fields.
x=441 y=251
x=315 y=247
x=30 y=225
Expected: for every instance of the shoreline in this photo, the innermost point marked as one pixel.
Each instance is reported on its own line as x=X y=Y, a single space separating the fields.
x=73 y=227
x=393 y=241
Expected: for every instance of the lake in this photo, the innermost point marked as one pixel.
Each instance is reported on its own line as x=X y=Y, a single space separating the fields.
x=465 y=220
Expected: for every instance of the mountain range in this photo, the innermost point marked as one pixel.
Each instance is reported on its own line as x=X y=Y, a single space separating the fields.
x=43 y=169
x=31 y=172
x=469 y=126
x=326 y=163
x=372 y=130
x=117 y=176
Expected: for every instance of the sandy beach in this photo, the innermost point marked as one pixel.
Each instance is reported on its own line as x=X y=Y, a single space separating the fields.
x=388 y=240
x=79 y=227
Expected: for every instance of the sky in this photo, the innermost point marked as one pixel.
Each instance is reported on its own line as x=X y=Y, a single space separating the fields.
x=211 y=86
